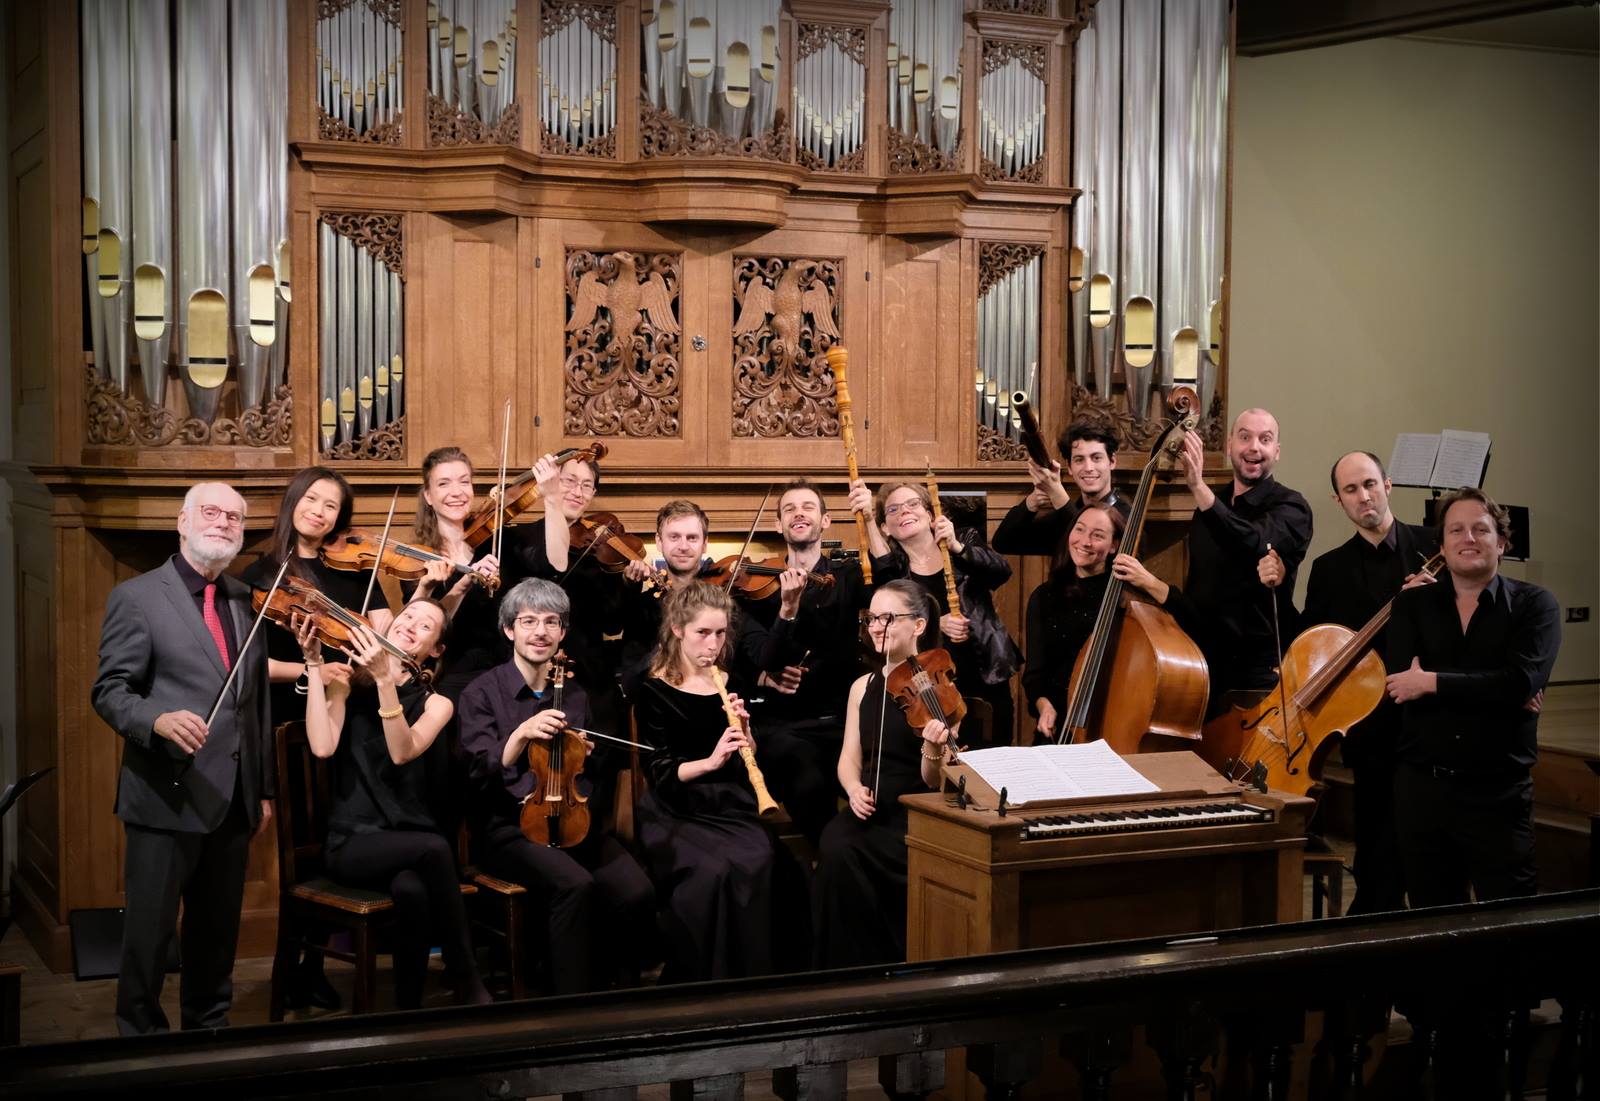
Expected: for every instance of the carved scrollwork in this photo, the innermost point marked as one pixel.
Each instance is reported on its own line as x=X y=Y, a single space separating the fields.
x=622 y=365
x=996 y=448
x=116 y=419
x=385 y=444
x=1020 y=7
x=852 y=41
x=997 y=259
x=1137 y=431
x=605 y=146
x=663 y=134
x=1033 y=173
x=380 y=234
x=332 y=129
x=449 y=124
x=998 y=52
x=910 y=157
x=854 y=162
x=388 y=10
x=787 y=318
x=599 y=18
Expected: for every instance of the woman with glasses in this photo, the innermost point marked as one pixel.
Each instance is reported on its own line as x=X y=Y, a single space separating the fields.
x=905 y=543
x=382 y=835
x=859 y=892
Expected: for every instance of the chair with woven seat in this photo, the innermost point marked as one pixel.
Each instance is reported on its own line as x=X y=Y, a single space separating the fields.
x=310 y=904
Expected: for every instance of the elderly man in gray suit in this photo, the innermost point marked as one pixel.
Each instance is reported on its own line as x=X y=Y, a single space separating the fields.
x=190 y=795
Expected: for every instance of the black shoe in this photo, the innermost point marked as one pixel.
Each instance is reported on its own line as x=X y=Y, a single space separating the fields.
x=308 y=985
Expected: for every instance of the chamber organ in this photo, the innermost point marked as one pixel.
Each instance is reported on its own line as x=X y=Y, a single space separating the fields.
x=368 y=221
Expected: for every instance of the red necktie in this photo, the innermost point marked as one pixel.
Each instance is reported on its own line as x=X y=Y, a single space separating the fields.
x=214 y=625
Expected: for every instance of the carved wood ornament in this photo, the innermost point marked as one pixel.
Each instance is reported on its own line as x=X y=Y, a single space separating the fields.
x=787 y=319
x=910 y=157
x=1139 y=432
x=1021 y=7
x=663 y=134
x=599 y=18
x=449 y=124
x=116 y=419
x=995 y=448
x=332 y=129
x=997 y=259
x=386 y=443
x=621 y=369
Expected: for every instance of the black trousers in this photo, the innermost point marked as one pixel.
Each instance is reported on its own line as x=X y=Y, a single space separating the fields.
x=418 y=869
x=205 y=871
x=1461 y=832
x=600 y=918
x=1379 y=870
x=800 y=758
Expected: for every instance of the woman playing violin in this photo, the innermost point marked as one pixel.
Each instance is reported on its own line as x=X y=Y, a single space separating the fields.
x=859 y=892
x=444 y=507
x=381 y=832
x=711 y=858
x=597 y=903
x=905 y=543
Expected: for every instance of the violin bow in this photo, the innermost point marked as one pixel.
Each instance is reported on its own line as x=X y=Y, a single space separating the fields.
x=500 y=496
x=239 y=660
x=383 y=543
x=738 y=562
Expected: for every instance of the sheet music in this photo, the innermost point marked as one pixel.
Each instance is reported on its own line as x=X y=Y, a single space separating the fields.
x=1052 y=773
x=1462 y=456
x=1411 y=461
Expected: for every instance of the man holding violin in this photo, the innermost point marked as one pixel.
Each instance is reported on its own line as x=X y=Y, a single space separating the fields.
x=192 y=792
x=803 y=701
x=597 y=897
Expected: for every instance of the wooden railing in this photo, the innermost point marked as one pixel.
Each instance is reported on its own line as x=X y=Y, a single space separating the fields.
x=1015 y=1015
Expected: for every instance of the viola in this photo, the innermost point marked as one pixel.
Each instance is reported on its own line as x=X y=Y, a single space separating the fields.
x=518 y=497
x=555 y=814
x=357 y=549
x=924 y=687
x=335 y=625
x=756 y=580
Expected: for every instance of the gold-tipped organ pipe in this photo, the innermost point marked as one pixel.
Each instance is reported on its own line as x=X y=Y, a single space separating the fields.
x=152 y=194
x=1103 y=290
x=114 y=252
x=254 y=302
x=1181 y=198
x=203 y=257
x=1141 y=181
x=1081 y=258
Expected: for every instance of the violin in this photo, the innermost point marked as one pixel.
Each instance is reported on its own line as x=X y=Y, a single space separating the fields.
x=924 y=686
x=518 y=497
x=357 y=549
x=554 y=813
x=335 y=625
x=756 y=580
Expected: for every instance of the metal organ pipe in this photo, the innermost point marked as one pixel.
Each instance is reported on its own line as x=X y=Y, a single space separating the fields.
x=152 y=194
x=1080 y=259
x=577 y=78
x=113 y=253
x=1107 y=228
x=90 y=72
x=1141 y=105
x=203 y=257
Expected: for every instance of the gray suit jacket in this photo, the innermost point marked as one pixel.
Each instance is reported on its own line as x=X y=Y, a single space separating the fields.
x=157 y=656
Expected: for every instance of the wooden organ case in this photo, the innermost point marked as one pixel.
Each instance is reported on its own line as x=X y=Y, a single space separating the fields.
x=637 y=220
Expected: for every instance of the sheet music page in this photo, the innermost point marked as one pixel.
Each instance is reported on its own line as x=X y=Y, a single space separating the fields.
x=1461 y=459
x=1411 y=462
x=1097 y=770
x=1025 y=773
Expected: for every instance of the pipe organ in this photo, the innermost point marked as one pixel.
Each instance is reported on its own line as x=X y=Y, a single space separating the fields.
x=1145 y=280
x=221 y=70
x=643 y=220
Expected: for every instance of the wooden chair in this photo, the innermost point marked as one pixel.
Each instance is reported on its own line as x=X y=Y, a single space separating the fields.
x=978 y=727
x=1326 y=870
x=500 y=912
x=310 y=905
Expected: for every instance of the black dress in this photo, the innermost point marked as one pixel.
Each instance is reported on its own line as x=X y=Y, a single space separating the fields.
x=859 y=893
x=475 y=642
x=347 y=588
x=1060 y=619
x=710 y=857
x=382 y=836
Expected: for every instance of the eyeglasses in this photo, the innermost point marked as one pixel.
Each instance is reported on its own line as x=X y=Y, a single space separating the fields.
x=572 y=483
x=211 y=514
x=529 y=623
x=883 y=619
x=899 y=507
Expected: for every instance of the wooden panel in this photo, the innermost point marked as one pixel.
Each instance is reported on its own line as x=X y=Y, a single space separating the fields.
x=914 y=377
x=32 y=333
x=25 y=81
x=461 y=306
x=37 y=816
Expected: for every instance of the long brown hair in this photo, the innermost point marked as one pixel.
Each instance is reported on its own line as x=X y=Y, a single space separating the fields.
x=678 y=610
x=426 y=528
x=284 y=545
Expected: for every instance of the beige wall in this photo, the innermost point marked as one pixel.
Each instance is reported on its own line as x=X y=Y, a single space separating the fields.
x=1415 y=248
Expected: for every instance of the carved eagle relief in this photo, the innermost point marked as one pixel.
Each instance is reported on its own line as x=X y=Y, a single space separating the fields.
x=800 y=293
x=627 y=299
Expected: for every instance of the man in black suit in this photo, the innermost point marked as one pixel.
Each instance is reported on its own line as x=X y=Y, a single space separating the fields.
x=1348 y=585
x=190 y=795
x=1468 y=661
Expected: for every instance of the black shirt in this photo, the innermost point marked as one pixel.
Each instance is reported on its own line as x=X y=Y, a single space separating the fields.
x=596 y=597
x=1061 y=616
x=826 y=628
x=1023 y=531
x=1348 y=586
x=195 y=585
x=1476 y=722
x=1232 y=609
x=370 y=792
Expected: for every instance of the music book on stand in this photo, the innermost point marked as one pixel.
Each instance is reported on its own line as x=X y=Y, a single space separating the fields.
x=1049 y=775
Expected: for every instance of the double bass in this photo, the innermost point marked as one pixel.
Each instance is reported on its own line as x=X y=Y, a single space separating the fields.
x=1330 y=679
x=1138 y=674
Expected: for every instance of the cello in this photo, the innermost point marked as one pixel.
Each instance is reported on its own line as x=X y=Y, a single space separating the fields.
x=1280 y=741
x=1139 y=674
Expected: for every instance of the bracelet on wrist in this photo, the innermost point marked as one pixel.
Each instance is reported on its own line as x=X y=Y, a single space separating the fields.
x=937 y=755
x=309 y=664
x=391 y=712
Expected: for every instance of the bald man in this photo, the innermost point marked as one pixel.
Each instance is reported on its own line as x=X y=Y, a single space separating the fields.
x=191 y=792
x=1348 y=586
x=1244 y=549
